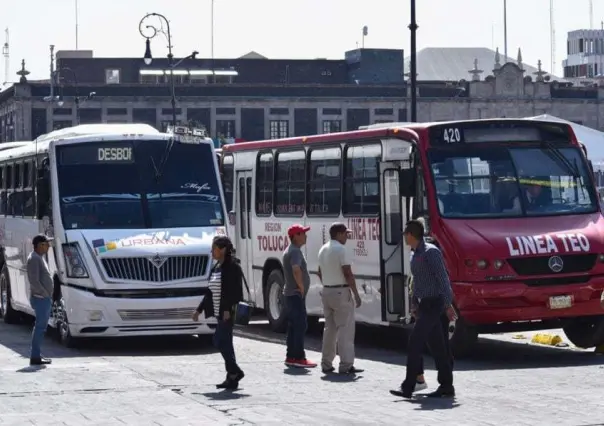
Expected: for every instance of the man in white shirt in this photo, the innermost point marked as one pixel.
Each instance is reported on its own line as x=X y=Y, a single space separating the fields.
x=339 y=288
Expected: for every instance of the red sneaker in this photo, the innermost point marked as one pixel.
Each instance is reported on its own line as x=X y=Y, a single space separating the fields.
x=304 y=363
x=290 y=362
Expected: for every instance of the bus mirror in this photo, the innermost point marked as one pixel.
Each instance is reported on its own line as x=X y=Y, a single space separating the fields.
x=43 y=194
x=407 y=183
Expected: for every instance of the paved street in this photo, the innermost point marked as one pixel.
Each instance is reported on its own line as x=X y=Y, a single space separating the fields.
x=171 y=382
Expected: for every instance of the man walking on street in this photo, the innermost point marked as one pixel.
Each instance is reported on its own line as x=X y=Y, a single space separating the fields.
x=41 y=289
x=432 y=296
x=297 y=283
x=339 y=287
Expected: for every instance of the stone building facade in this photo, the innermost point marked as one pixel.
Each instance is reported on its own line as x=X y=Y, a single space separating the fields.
x=257 y=98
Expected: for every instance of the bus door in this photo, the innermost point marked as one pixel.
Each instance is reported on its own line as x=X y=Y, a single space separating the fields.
x=394 y=254
x=243 y=225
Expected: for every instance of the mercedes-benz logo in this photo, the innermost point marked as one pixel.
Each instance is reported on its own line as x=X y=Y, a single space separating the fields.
x=158 y=260
x=555 y=263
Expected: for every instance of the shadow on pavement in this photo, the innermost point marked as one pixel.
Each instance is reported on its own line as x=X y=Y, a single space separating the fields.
x=18 y=339
x=432 y=404
x=387 y=345
x=225 y=395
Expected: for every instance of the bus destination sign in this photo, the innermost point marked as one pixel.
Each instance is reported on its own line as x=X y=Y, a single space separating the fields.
x=499 y=131
x=105 y=153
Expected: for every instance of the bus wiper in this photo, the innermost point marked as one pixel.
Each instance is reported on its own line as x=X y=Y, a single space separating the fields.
x=561 y=159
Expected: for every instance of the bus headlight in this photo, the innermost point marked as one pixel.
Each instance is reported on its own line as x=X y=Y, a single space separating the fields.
x=74 y=263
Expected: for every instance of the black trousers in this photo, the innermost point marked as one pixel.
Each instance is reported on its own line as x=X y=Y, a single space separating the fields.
x=444 y=321
x=429 y=329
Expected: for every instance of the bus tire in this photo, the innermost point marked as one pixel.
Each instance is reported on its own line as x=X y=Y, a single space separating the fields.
x=463 y=340
x=62 y=324
x=274 y=302
x=9 y=315
x=585 y=332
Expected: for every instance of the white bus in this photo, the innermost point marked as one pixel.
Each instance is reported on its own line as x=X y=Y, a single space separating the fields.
x=133 y=212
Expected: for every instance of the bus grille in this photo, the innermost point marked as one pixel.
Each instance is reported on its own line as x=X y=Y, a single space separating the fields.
x=146 y=268
x=155 y=314
x=573 y=263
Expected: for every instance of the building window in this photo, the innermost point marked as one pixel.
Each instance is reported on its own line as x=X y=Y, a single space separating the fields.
x=279 y=129
x=290 y=183
x=264 y=184
x=332 y=126
x=361 y=179
x=112 y=76
x=225 y=128
x=324 y=183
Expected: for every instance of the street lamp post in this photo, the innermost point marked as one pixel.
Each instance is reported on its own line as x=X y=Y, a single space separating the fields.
x=149 y=32
x=77 y=98
x=413 y=68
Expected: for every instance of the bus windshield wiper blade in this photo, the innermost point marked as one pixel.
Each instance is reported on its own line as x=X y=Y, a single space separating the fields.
x=560 y=158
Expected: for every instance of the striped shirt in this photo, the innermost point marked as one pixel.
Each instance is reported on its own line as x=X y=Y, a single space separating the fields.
x=430 y=276
x=215 y=286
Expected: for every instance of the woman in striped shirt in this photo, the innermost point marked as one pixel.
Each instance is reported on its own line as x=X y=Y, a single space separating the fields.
x=226 y=286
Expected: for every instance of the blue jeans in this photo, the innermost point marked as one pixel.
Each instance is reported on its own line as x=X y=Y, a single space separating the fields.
x=41 y=308
x=223 y=341
x=296 y=326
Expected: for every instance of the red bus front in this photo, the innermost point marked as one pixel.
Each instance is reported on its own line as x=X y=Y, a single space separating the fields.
x=513 y=205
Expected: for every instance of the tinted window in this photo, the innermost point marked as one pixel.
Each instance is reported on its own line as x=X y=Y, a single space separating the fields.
x=264 y=184
x=180 y=185
x=324 y=183
x=290 y=183
x=361 y=179
x=228 y=174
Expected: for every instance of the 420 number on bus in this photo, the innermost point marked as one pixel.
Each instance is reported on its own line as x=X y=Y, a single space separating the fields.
x=452 y=135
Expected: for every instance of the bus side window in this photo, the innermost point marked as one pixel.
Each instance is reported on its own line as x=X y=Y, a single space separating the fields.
x=228 y=175
x=420 y=201
x=3 y=197
x=43 y=192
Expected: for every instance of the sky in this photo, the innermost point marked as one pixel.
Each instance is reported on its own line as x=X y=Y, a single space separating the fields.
x=287 y=29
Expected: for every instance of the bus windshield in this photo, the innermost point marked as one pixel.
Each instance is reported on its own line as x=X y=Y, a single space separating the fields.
x=141 y=184
x=505 y=181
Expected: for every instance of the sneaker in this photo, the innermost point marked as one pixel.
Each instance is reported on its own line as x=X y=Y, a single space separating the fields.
x=290 y=362
x=40 y=361
x=420 y=386
x=304 y=363
x=328 y=370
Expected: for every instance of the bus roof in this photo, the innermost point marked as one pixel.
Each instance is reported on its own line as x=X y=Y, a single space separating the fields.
x=379 y=130
x=10 y=145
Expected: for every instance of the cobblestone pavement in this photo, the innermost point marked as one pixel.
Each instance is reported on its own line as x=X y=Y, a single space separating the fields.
x=171 y=382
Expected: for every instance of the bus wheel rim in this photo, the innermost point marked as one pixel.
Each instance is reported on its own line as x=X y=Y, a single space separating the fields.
x=3 y=296
x=275 y=301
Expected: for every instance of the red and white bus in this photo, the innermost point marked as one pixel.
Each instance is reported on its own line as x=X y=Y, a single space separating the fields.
x=513 y=266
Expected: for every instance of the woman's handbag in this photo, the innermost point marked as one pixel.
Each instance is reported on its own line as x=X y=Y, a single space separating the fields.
x=243 y=310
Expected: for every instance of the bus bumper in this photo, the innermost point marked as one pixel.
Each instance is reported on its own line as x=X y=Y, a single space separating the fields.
x=92 y=316
x=492 y=303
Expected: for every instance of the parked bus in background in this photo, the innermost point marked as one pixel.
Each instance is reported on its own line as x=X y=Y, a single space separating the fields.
x=514 y=266
x=133 y=212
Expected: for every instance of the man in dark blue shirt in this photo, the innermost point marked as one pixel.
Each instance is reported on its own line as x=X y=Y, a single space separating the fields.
x=432 y=297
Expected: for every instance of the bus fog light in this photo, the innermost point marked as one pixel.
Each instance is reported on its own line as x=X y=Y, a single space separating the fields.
x=95 y=315
x=498 y=264
x=481 y=264
x=78 y=271
x=601 y=257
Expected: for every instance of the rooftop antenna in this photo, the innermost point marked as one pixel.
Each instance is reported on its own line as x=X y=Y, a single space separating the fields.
x=552 y=35
x=76 y=23
x=6 y=54
x=591 y=14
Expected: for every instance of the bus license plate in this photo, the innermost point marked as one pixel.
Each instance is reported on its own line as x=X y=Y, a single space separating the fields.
x=560 y=302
